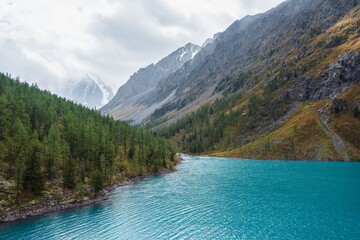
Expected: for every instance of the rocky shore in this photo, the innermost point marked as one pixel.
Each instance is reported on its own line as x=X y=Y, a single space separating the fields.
x=104 y=195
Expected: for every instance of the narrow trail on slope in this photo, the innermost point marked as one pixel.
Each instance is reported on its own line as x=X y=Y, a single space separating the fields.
x=340 y=146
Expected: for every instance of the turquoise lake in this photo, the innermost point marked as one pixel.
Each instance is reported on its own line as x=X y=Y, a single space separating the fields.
x=217 y=198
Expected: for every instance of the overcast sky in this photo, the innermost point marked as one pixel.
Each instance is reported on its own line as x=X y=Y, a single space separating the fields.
x=51 y=42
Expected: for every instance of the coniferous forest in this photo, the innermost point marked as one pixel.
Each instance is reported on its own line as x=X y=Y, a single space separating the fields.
x=49 y=145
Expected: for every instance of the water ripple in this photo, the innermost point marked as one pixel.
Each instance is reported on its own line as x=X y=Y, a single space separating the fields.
x=213 y=198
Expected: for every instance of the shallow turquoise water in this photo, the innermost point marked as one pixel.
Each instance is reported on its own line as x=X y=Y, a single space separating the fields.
x=218 y=198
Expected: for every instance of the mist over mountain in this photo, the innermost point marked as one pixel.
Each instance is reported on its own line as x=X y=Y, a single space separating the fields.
x=89 y=91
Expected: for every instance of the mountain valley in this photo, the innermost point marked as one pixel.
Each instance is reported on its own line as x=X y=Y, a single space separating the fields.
x=251 y=81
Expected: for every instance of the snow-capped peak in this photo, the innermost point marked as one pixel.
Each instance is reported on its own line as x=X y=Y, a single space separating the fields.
x=188 y=52
x=90 y=91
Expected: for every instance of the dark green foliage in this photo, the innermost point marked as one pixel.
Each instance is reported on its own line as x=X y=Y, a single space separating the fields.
x=217 y=127
x=131 y=153
x=254 y=104
x=271 y=86
x=269 y=89
x=20 y=142
x=222 y=84
x=185 y=101
x=69 y=138
x=69 y=173
x=82 y=175
x=202 y=134
x=267 y=147
x=233 y=84
x=356 y=113
x=54 y=151
x=337 y=109
x=96 y=182
x=168 y=107
x=238 y=83
x=32 y=178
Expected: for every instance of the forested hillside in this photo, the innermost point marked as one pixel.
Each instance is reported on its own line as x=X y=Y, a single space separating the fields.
x=49 y=145
x=295 y=95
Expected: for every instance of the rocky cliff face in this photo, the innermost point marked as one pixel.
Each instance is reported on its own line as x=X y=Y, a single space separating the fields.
x=124 y=105
x=336 y=79
x=257 y=45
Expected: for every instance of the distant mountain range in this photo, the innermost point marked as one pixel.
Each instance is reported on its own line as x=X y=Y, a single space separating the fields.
x=89 y=91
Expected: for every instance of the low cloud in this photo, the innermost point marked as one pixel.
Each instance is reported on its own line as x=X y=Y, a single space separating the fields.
x=52 y=42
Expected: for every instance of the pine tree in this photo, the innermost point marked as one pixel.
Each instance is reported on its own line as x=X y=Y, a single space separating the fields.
x=81 y=145
x=124 y=133
x=70 y=130
x=54 y=151
x=82 y=175
x=92 y=146
x=20 y=139
x=96 y=181
x=4 y=115
x=69 y=173
x=103 y=164
x=33 y=180
x=3 y=152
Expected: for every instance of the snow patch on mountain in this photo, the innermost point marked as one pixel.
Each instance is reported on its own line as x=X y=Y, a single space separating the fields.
x=107 y=92
x=194 y=53
x=89 y=91
x=183 y=53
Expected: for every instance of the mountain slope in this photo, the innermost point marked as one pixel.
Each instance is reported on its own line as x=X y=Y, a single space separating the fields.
x=249 y=44
x=50 y=148
x=263 y=69
x=90 y=92
x=123 y=105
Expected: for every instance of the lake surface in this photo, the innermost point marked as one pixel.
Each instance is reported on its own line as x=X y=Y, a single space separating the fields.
x=218 y=198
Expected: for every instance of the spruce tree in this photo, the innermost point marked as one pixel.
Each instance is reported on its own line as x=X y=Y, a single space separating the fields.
x=54 y=150
x=69 y=173
x=96 y=182
x=32 y=179
x=82 y=175
x=20 y=139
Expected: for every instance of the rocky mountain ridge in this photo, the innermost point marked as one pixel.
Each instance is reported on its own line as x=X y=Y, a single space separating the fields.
x=278 y=85
x=267 y=87
x=247 y=41
x=124 y=105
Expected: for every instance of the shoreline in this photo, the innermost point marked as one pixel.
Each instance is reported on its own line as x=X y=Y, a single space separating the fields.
x=103 y=196
x=273 y=159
